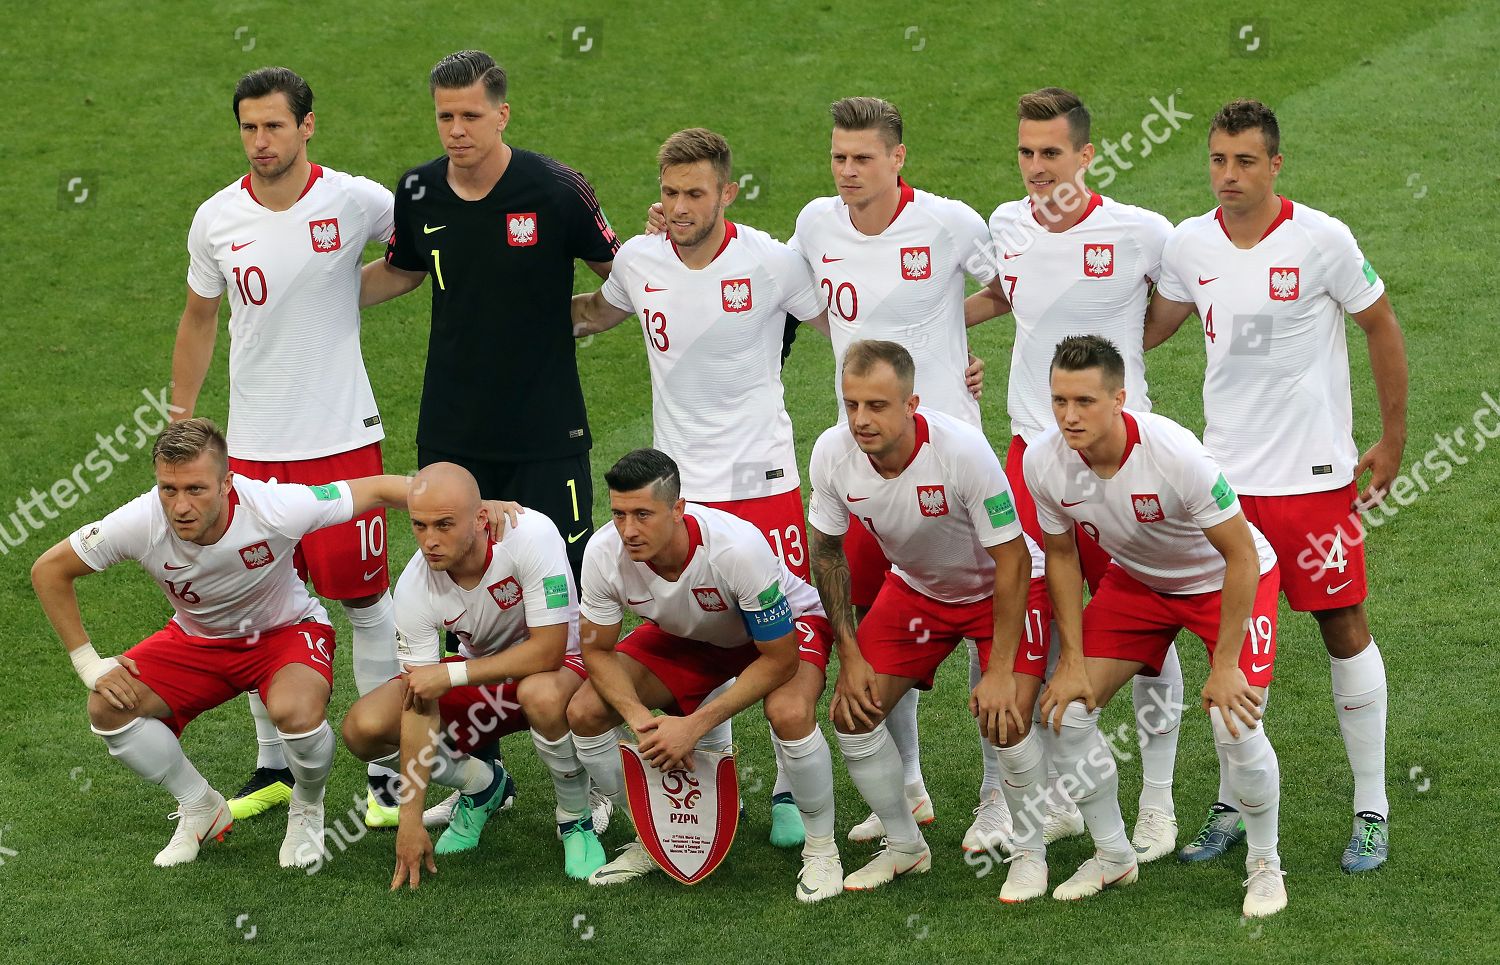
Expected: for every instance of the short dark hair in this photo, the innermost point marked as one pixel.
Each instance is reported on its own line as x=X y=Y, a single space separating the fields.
x=185 y=441
x=1079 y=352
x=868 y=114
x=1050 y=102
x=640 y=468
x=465 y=67
x=272 y=80
x=861 y=356
x=1247 y=115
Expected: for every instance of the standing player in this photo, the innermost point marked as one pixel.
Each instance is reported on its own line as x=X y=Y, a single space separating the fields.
x=514 y=607
x=712 y=296
x=719 y=607
x=285 y=242
x=498 y=228
x=222 y=548
x=1272 y=281
x=1073 y=262
x=929 y=488
x=1183 y=558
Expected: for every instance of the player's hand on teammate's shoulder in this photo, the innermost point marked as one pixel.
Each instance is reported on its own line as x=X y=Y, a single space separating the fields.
x=974 y=376
x=856 y=695
x=667 y=742
x=502 y=515
x=118 y=686
x=1229 y=691
x=1069 y=682
x=413 y=851
x=994 y=704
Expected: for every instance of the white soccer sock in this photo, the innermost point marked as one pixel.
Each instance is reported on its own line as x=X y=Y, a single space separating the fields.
x=1226 y=793
x=783 y=783
x=902 y=724
x=569 y=778
x=721 y=738
x=1025 y=790
x=809 y=765
x=269 y=752
x=875 y=767
x=1092 y=780
x=310 y=757
x=1359 y=699
x=1158 y=718
x=600 y=756
x=1255 y=781
x=374 y=643
x=464 y=772
x=990 y=783
x=1057 y=797
x=147 y=746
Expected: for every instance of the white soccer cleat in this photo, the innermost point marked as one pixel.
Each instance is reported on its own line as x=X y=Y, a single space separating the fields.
x=822 y=876
x=1155 y=835
x=212 y=820
x=887 y=865
x=303 y=845
x=601 y=809
x=1027 y=878
x=992 y=828
x=632 y=863
x=873 y=829
x=1265 y=892
x=1062 y=823
x=1096 y=874
x=441 y=814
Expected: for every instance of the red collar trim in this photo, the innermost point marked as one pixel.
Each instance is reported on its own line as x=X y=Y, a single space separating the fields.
x=234 y=500
x=1132 y=436
x=1096 y=200
x=921 y=440
x=908 y=194
x=695 y=540
x=1285 y=214
x=315 y=172
x=730 y=233
x=489 y=556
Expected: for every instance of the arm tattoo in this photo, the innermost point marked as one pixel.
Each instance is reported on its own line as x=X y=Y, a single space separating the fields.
x=831 y=569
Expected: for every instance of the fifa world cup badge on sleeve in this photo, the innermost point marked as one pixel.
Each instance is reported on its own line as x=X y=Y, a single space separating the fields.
x=686 y=819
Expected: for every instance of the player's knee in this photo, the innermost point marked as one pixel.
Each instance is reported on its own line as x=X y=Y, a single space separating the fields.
x=362 y=732
x=586 y=714
x=296 y=716
x=790 y=718
x=543 y=700
x=1345 y=631
x=104 y=716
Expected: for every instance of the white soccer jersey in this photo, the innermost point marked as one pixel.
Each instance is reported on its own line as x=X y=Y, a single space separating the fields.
x=1092 y=279
x=297 y=382
x=733 y=590
x=1150 y=516
x=935 y=520
x=713 y=339
x=527 y=583
x=1279 y=419
x=242 y=584
x=904 y=285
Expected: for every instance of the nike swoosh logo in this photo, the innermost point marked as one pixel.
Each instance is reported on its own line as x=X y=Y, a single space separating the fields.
x=1205 y=281
x=429 y=229
x=575 y=537
x=211 y=825
x=913 y=864
x=819 y=653
x=639 y=602
x=371 y=575
x=169 y=566
x=1258 y=667
x=1035 y=656
x=828 y=261
x=1068 y=505
x=650 y=289
x=1009 y=255
x=1016 y=786
x=1360 y=707
x=855 y=499
x=449 y=623
x=806 y=890
x=234 y=247
x=1331 y=590
x=1106 y=884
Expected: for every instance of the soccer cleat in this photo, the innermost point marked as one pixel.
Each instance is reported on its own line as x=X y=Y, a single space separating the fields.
x=601 y=809
x=303 y=845
x=1062 y=823
x=267 y=788
x=822 y=876
x=887 y=865
x=873 y=829
x=786 y=826
x=1027 y=878
x=1265 y=892
x=1222 y=830
x=1096 y=874
x=441 y=813
x=1155 y=835
x=382 y=804
x=582 y=852
x=1370 y=845
x=992 y=827
x=213 y=820
x=473 y=811
x=632 y=863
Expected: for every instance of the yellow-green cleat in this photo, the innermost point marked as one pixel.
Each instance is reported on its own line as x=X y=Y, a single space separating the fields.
x=379 y=815
x=268 y=787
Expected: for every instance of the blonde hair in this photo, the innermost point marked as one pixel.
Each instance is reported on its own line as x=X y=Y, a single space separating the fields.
x=693 y=145
x=868 y=114
x=184 y=441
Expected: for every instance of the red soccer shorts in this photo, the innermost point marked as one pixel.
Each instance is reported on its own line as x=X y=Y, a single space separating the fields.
x=1319 y=543
x=473 y=716
x=868 y=567
x=907 y=633
x=781 y=519
x=347 y=561
x=195 y=674
x=1092 y=558
x=691 y=670
x=1127 y=620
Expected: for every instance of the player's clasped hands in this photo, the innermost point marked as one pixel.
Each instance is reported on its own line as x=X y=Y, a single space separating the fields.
x=1229 y=691
x=667 y=742
x=993 y=703
x=856 y=695
x=413 y=850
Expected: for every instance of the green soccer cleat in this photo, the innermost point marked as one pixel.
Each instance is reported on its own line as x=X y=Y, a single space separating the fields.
x=462 y=833
x=1370 y=845
x=786 y=822
x=582 y=852
x=268 y=787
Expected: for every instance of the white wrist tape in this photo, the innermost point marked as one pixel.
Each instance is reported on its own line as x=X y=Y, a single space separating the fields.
x=458 y=673
x=89 y=665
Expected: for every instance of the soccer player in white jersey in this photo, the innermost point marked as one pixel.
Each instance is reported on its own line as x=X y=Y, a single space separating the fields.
x=718 y=606
x=513 y=606
x=713 y=297
x=1183 y=557
x=1272 y=282
x=929 y=488
x=221 y=546
x=284 y=242
x=1073 y=262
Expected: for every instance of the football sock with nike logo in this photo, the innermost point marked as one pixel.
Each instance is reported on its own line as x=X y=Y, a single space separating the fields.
x=1087 y=770
x=1158 y=716
x=310 y=758
x=1254 y=781
x=269 y=753
x=809 y=767
x=875 y=768
x=1025 y=788
x=988 y=752
x=1359 y=699
x=148 y=747
x=901 y=722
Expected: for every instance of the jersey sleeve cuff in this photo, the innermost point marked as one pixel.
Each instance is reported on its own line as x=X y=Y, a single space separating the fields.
x=1370 y=296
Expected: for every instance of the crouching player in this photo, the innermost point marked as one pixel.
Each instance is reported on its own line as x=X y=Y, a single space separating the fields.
x=514 y=610
x=221 y=547
x=719 y=604
x=1184 y=558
